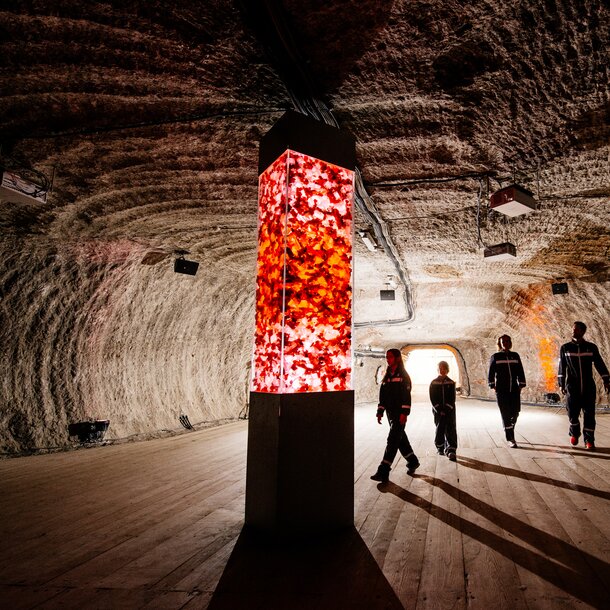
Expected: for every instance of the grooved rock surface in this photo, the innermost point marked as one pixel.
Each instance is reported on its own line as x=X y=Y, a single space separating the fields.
x=148 y=115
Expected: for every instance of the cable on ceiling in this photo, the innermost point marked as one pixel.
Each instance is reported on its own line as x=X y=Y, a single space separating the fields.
x=442 y=180
x=143 y=124
x=268 y=19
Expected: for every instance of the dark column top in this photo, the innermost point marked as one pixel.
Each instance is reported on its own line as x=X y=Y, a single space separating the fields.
x=299 y=132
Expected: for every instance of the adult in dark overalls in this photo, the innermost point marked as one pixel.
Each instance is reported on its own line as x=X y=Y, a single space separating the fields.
x=442 y=397
x=575 y=377
x=395 y=401
x=507 y=378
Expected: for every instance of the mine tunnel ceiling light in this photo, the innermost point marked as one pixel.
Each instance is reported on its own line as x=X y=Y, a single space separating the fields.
x=181 y=265
x=500 y=252
x=513 y=200
x=559 y=288
x=369 y=239
x=14 y=188
x=389 y=292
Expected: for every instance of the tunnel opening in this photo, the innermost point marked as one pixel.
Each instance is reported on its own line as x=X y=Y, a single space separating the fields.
x=421 y=362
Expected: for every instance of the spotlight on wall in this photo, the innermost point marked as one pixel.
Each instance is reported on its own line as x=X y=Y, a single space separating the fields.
x=513 y=200
x=500 y=252
x=16 y=189
x=89 y=431
x=559 y=288
x=389 y=293
x=369 y=239
x=181 y=265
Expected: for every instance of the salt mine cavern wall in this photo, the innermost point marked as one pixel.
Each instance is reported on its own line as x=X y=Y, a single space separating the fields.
x=89 y=331
x=539 y=323
x=149 y=116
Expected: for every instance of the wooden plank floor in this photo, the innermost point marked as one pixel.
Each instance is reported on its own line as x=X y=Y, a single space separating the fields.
x=154 y=524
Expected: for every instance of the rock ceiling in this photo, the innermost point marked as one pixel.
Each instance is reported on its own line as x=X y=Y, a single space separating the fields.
x=148 y=117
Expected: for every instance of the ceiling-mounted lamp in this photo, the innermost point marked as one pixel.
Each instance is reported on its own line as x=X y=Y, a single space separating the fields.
x=14 y=188
x=369 y=239
x=513 y=200
x=181 y=265
x=500 y=252
x=389 y=294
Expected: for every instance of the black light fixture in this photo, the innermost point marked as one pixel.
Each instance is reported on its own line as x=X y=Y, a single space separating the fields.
x=389 y=293
x=559 y=288
x=89 y=431
x=181 y=265
x=500 y=252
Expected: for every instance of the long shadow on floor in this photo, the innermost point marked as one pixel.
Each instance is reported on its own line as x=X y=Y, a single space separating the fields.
x=337 y=571
x=577 y=572
x=602 y=453
x=528 y=476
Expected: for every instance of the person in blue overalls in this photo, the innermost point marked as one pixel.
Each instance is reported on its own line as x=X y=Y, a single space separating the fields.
x=395 y=401
x=575 y=377
x=507 y=378
x=442 y=397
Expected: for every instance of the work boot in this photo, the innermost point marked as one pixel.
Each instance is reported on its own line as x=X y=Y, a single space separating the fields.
x=412 y=464
x=573 y=441
x=383 y=473
x=590 y=446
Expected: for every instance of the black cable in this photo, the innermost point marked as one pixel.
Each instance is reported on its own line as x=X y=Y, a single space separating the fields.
x=433 y=215
x=186 y=119
x=269 y=21
x=468 y=176
x=479 y=196
x=569 y=197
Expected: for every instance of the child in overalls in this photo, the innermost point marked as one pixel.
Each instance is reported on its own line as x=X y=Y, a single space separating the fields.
x=442 y=396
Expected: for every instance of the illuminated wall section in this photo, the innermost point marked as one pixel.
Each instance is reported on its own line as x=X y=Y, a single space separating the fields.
x=304 y=277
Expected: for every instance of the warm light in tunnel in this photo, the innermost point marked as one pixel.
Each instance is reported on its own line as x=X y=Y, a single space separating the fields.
x=547 y=349
x=547 y=352
x=304 y=279
x=422 y=365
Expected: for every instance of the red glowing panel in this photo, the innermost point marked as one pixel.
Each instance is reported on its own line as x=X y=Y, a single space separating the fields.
x=538 y=323
x=547 y=352
x=304 y=277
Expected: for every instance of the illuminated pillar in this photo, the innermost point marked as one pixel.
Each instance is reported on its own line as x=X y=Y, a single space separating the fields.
x=301 y=422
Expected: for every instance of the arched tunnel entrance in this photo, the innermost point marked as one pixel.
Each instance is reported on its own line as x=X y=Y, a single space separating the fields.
x=421 y=362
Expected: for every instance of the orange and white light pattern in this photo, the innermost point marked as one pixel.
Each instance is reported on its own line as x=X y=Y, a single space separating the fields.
x=547 y=353
x=547 y=348
x=304 y=277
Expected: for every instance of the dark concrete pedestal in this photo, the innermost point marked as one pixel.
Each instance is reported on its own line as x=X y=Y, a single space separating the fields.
x=300 y=475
